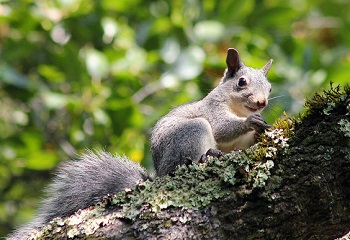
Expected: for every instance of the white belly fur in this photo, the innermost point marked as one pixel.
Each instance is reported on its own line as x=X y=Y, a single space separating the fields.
x=242 y=142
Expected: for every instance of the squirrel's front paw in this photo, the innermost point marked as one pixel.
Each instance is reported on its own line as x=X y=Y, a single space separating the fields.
x=257 y=123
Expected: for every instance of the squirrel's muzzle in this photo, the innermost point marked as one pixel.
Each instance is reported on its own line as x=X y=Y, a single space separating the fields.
x=261 y=103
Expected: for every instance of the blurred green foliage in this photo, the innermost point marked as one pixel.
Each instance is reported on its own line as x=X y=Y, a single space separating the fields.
x=80 y=74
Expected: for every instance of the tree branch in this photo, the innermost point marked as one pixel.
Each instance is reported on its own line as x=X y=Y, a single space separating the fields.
x=294 y=184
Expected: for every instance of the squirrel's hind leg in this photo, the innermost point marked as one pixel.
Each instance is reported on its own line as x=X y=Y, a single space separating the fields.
x=192 y=139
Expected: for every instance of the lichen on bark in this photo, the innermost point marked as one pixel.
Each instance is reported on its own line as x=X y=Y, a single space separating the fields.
x=295 y=183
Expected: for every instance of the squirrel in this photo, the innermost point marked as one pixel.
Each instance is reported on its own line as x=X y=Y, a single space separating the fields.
x=227 y=119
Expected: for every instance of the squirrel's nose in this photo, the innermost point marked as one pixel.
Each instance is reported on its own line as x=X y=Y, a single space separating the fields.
x=261 y=103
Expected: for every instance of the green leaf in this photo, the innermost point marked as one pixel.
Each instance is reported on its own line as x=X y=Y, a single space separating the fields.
x=51 y=73
x=41 y=160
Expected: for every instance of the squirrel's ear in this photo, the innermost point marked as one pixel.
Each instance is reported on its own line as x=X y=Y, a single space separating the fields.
x=233 y=60
x=267 y=67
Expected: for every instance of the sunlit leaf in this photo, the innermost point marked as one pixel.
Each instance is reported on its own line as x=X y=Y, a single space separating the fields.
x=209 y=31
x=189 y=63
x=54 y=100
x=96 y=63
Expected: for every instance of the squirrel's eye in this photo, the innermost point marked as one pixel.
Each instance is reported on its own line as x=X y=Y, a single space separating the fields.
x=242 y=82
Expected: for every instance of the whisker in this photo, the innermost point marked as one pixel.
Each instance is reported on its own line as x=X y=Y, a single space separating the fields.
x=277 y=97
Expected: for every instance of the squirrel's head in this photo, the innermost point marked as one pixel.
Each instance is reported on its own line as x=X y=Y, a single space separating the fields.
x=247 y=88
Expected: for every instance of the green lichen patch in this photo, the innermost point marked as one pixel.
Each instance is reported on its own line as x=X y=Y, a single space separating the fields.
x=191 y=186
x=83 y=223
x=286 y=124
x=345 y=127
x=275 y=140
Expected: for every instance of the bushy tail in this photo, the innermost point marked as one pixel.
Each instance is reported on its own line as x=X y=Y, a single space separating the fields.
x=80 y=184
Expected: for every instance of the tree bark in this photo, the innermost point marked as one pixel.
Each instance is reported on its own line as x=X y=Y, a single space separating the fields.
x=295 y=184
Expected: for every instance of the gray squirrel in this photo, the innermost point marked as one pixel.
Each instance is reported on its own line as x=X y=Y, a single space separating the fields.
x=227 y=119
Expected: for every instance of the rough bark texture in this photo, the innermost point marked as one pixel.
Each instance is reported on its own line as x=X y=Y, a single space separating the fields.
x=301 y=191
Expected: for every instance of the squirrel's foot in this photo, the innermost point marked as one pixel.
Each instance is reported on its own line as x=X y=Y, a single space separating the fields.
x=211 y=152
x=188 y=161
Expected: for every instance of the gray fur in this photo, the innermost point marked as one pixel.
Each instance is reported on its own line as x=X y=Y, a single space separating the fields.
x=80 y=184
x=226 y=119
